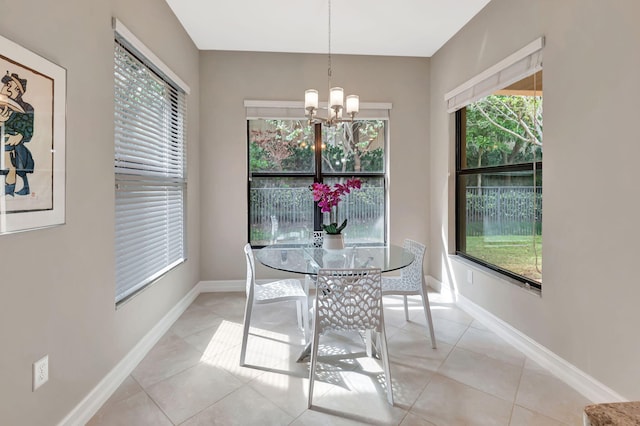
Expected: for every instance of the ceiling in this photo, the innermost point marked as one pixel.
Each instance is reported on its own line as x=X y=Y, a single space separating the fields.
x=359 y=27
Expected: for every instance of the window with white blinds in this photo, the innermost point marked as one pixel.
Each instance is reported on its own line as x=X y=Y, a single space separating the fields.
x=150 y=182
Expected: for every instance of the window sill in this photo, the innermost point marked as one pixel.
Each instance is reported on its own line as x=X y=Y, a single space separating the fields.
x=495 y=275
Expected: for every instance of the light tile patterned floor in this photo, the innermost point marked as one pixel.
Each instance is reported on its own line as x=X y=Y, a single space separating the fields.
x=192 y=376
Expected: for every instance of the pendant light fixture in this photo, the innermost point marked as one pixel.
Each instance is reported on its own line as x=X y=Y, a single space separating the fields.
x=336 y=98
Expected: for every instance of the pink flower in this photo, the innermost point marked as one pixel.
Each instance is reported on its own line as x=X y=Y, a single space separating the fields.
x=329 y=198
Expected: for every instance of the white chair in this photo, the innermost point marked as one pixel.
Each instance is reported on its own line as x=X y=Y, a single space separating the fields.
x=349 y=300
x=411 y=282
x=276 y=291
x=316 y=243
x=317 y=238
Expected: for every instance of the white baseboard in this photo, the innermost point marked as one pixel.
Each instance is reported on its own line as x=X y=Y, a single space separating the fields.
x=88 y=407
x=434 y=284
x=591 y=388
x=444 y=291
x=222 y=286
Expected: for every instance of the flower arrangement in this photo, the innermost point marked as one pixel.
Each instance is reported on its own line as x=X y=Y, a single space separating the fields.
x=328 y=199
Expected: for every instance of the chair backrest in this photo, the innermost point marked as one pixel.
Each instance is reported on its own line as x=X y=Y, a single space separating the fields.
x=251 y=271
x=317 y=239
x=349 y=299
x=414 y=273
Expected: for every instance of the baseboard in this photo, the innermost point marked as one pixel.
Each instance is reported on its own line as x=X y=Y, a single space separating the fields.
x=444 y=291
x=87 y=408
x=591 y=388
x=434 y=284
x=222 y=286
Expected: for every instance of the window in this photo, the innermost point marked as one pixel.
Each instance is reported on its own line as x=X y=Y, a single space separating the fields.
x=150 y=183
x=284 y=160
x=499 y=171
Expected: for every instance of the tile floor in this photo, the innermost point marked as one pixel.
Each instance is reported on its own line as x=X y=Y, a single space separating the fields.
x=192 y=376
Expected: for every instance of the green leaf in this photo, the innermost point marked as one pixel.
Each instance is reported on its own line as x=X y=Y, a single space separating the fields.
x=333 y=228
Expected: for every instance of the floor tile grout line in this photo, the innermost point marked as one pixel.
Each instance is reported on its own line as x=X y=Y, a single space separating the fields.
x=418 y=397
x=515 y=397
x=438 y=371
x=530 y=408
x=434 y=373
x=158 y=406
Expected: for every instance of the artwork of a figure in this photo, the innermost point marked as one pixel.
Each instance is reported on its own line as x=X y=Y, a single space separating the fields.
x=16 y=121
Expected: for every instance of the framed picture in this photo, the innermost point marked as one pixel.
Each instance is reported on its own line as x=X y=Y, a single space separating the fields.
x=32 y=133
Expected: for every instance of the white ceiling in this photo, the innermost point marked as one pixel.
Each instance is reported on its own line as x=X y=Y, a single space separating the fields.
x=360 y=27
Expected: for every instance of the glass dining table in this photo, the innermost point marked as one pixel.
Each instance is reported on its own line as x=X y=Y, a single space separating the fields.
x=309 y=260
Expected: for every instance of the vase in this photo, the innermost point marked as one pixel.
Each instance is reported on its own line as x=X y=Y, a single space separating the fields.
x=332 y=242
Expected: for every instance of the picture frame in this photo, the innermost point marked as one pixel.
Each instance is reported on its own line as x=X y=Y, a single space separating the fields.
x=33 y=140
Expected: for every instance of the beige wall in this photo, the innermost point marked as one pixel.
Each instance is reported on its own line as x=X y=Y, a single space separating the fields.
x=588 y=313
x=57 y=284
x=228 y=78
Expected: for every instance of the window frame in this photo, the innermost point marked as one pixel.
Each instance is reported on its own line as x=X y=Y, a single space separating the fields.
x=522 y=63
x=460 y=138
x=318 y=175
x=137 y=181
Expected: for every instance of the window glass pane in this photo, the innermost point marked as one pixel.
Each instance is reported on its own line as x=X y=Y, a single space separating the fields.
x=501 y=222
x=281 y=146
x=364 y=210
x=506 y=127
x=282 y=168
x=280 y=210
x=354 y=147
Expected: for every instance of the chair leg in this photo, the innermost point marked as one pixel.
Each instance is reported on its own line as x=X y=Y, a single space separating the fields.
x=427 y=312
x=305 y=320
x=245 y=333
x=368 y=342
x=406 y=308
x=385 y=364
x=312 y=365
x=299 y=314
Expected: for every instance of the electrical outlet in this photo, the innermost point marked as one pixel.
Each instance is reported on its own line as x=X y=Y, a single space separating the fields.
x=469 y=276
x=40 y=372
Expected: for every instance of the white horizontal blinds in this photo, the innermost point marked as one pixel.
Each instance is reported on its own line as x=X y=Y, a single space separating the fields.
x=294 y=110
x=520 y=64
x=149 y=120
x=150 y=114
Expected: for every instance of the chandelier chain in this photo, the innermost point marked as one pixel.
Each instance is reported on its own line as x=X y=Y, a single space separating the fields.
x=329 y=65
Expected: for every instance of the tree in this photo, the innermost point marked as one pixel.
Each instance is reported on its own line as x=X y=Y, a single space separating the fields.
x=277 y=141
x=287 y=145
x=504 y=130
x=354 y=146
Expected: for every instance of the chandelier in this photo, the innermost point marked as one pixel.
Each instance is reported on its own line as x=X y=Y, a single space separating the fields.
x=336 y=98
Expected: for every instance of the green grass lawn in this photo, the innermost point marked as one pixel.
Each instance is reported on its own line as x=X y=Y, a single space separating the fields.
x=512 y=252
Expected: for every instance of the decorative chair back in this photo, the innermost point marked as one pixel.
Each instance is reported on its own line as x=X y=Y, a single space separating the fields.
x=413 y=275
x=317 y=239
x=348 y=300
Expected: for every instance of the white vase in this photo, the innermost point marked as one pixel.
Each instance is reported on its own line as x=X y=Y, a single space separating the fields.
x=332 y=241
